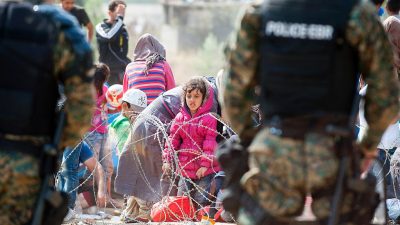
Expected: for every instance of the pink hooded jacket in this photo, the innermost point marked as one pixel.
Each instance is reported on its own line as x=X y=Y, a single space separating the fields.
x=194 y=139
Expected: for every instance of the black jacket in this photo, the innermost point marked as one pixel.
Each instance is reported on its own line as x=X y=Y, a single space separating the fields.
x=112 y=42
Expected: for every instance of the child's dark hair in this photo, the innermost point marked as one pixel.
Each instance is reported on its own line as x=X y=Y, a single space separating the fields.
x=193 y=84
x=393 y=5
x=377 y=2
x=101 y=75
x=114 y=3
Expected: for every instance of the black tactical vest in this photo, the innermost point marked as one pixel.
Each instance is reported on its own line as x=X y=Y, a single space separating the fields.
x=28 y=88
x=306 y=66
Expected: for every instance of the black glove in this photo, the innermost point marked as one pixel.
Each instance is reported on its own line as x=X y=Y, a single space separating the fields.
x=233 y=158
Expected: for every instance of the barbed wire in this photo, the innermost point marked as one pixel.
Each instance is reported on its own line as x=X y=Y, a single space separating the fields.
x=161 y=136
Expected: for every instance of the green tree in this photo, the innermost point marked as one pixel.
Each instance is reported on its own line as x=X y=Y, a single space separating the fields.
x=209 y=59
x=94 y=9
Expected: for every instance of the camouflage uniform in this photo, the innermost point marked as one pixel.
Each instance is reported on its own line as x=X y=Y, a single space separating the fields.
x=20 y=181
x=283 y=170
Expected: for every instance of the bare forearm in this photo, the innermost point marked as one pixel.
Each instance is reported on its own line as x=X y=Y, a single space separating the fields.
x=90 y=29
x=100 y=178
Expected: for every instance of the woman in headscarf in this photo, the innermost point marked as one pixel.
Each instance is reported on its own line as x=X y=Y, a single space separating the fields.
x=149 y=70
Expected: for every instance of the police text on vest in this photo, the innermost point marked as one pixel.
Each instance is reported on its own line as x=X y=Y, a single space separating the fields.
x=299 y=30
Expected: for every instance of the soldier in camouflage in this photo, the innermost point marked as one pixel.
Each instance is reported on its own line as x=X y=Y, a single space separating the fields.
x=40 y=47
x=306 y=66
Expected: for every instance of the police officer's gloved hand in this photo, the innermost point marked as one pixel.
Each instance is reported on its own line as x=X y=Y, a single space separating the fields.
x=227 y=151
x=232 y=156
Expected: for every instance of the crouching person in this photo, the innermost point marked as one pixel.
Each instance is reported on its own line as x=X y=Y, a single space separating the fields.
x=68 y=180
x=132 y=165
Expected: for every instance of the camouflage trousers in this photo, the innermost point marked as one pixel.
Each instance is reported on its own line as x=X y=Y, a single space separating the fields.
x=19 y=187
x=283 y=171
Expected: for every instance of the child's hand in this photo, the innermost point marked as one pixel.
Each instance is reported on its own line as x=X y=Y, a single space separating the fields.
x=200 y=172
x=166 y=168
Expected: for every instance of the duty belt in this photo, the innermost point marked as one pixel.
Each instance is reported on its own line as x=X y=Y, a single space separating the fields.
x=32 y=139
x=297 y=127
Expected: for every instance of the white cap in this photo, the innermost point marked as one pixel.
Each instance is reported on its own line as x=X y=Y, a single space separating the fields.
x=135 y=97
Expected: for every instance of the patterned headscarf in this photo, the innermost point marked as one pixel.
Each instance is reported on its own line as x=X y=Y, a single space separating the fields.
x=149 y=49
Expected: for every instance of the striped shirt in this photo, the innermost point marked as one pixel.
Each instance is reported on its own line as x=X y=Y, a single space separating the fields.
x=159 y=79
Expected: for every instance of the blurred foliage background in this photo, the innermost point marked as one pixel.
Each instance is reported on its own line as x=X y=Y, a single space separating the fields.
x=193 y=32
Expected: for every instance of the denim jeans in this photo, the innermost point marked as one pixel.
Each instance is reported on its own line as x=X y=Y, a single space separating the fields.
x=98 y=143
x=219 y=181
x=67 y=177
x=198 y=190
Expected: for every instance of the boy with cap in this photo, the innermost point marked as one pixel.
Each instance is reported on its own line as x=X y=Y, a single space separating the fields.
x=133 y=102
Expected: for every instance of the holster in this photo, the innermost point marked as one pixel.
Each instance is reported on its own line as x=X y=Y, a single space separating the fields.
x=52 y=205
x=366 y=199
x=55 y=207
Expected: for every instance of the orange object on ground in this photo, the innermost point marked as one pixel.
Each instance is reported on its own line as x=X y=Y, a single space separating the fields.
x=207 y=220
x=205 y=212
x=172 y=209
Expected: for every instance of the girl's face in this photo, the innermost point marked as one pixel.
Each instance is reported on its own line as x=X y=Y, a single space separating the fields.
x=194 y=100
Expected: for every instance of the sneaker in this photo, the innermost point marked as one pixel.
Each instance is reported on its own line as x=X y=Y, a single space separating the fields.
x=70 y=215
x=78 y=208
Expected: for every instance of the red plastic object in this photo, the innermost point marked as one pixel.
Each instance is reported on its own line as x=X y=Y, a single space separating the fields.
x=172 y=209
x=218 y=217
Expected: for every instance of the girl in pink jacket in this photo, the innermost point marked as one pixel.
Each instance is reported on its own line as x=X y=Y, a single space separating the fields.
x=192 y=142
